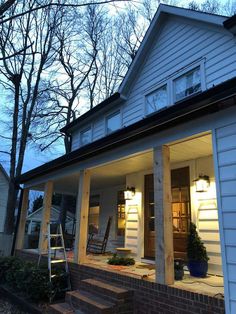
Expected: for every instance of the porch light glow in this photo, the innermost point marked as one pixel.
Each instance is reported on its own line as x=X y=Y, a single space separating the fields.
x=202 y=183
x=129 y=193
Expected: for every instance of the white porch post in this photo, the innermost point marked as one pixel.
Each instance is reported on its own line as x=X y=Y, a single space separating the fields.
x=164 y=253
x=82 y=211
x=21 y=228
x=47 y=204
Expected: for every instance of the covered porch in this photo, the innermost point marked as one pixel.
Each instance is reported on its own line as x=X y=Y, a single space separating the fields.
x=154 y=223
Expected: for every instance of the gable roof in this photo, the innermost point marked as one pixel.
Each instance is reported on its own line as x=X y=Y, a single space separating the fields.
x=162 y=12
x=4 y=172
x=54 y=208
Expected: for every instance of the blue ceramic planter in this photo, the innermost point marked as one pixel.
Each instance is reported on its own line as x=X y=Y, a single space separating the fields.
x=198 y=268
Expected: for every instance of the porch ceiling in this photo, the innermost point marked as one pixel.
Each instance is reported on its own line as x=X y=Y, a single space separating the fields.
x=115 y=173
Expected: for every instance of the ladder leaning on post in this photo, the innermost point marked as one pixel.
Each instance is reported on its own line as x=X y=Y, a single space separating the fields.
x=59 y=245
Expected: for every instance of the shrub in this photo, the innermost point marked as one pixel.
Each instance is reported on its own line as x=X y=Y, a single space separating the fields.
x=8 y=267
x=34 y=281
x=196 y=249
x=118 y=260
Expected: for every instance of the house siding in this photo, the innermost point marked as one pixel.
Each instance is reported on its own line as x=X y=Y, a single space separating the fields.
x=226 y=163
x=3 y=199
x=179 y=43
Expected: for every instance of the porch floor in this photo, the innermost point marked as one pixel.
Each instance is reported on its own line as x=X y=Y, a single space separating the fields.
x=211 y=285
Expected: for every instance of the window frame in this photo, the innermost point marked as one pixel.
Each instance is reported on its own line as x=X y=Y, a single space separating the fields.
x=110 y=115
x=160 y=86
x=89 y=128
x=169 y=81
x=184 y=75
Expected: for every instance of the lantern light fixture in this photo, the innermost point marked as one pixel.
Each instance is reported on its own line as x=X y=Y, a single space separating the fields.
x=129 y=193
x=202 y=183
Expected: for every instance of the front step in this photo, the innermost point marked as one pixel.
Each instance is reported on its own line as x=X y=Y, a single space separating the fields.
x=61 y=308
x=89 y=303
x=102 y=288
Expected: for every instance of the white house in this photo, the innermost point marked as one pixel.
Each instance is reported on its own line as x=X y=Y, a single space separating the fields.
x=172 y=121
x=34 y=220
x=4 y=181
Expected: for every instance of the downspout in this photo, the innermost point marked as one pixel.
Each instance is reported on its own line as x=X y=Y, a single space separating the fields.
x=17 y=221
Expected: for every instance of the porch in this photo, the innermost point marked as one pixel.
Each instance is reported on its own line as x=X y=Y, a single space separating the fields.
x=156 y=174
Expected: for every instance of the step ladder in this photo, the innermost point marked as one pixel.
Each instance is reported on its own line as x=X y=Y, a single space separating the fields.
x=52 y=250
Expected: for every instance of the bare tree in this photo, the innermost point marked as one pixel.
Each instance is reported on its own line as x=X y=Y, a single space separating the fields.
x=22 y=76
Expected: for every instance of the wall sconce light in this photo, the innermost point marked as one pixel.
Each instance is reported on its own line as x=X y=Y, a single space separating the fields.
x=129 y=193
x=202 y=183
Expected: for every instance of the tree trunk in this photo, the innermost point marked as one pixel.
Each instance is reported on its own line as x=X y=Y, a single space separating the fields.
x=11 y=205
x=12 y=190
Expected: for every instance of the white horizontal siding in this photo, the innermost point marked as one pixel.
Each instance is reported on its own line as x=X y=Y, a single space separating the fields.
x=98 y=129
x=75 y=139
x=208 y=227
x=179 y=43
x=132 y=228
x=3 y=199
x=226 y=156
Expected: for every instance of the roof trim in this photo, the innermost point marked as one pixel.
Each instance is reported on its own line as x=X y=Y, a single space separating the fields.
x=91 y=112
x=185 y=110
x=162 y=11
x=230 y=24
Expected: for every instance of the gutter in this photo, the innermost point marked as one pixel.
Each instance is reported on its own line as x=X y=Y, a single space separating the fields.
x=204 y=103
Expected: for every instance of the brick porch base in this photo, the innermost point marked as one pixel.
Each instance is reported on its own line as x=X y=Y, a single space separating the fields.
x=149 y=297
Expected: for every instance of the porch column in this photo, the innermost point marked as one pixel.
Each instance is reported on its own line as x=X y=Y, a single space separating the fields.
x=82 y=211
x=46 y=212
x=164 y=252
x=21 y=228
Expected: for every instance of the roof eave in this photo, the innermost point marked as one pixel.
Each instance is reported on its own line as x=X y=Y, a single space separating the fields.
x=190 y=108
x=90 y=113
x=230 y=24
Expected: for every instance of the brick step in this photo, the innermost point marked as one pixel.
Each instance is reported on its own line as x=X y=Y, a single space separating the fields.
x=61 y=308
x=89 y=303
x=104 y=289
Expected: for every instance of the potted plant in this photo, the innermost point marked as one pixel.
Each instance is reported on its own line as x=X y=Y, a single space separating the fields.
x=179 y=269
x=197 y=254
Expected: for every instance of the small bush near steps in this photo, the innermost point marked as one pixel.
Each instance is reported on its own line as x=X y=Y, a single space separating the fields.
x=27 y=278
x=122 y=261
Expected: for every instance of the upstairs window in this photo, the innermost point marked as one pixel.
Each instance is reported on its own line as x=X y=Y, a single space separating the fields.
x=156 y=100
x=85 y=137
x=113 y=122
x=188 y=84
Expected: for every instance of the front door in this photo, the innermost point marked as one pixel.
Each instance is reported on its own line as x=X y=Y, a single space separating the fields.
x=180 y=187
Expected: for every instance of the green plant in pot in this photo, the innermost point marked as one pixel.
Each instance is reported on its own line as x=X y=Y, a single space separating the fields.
x=197 y=254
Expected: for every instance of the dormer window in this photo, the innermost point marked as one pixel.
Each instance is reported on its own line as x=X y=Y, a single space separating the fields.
x=113 y=122
x=187 y=84
x=85 y=137
x=156 y=100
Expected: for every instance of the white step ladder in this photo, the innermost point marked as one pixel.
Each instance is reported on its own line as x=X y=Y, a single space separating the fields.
x=52 y=250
